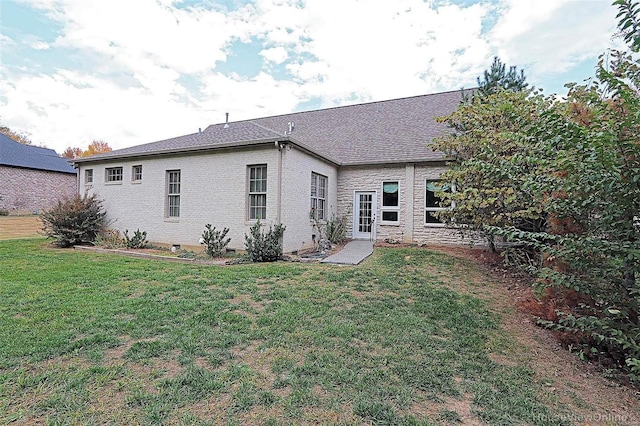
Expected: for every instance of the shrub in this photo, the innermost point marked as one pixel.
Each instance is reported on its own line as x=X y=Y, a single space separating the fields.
x=75 y=220
x=214 y=242
x=138 y=241
x=109 y=239
x=4 y=212
x=336 y=229
x=264 y=247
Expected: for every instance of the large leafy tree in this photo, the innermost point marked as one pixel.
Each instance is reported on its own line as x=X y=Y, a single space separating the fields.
x=492 y=157
x=592 y=195
x=95 y=147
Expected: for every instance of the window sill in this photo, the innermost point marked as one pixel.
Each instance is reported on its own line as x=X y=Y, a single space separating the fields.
x=434 y=225
x=114 y=183
x=172 y=219
x=390 y=223
x=136 y=182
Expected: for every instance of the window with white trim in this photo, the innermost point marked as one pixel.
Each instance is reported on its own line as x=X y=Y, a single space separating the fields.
x=390 y=208
x=318 y=196
x=432 y=201
x=257 y=192
x=88 y=176
x=136 y=173
x=113 y=174
x=173 y=193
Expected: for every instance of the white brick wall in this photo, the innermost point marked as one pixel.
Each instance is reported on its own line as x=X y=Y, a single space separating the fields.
x=213 y=190
x=296 y=195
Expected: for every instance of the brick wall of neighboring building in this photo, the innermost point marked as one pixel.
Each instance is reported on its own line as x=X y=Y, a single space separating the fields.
x=26 y=191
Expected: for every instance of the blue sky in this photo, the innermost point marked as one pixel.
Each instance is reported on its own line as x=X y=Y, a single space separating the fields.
x=135 y=71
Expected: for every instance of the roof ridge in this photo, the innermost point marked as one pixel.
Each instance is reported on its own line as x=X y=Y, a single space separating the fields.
x=346 y=106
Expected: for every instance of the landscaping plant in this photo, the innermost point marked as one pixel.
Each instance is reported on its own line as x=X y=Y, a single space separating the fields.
x=214 y=240
x=138 y=241
x=264 y=247
x=75 y=220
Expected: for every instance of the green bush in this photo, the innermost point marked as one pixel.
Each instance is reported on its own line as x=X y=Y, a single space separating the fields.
x=4 y=212
x=138 y=241
x=264 y=247
x=75 y=220
x=336 y=229
x=214 y=241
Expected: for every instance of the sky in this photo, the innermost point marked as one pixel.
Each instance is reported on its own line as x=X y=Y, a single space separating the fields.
x=135 y=71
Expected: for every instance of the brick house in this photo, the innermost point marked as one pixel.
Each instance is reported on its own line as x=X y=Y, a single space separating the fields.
x=33 y=178
x=370 y=162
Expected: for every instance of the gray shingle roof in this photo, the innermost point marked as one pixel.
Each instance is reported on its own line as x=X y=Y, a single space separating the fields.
x=15 y=154
x=392 y=131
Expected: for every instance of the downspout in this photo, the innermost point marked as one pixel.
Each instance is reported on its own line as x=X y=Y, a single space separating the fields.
x=280 y=147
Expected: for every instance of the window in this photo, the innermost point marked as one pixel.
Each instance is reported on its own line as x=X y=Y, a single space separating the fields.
x=432 y=202
x=173 y=193
x=136 y=173
x=390 y=202
x=257 y=192
x=114 y=174
x=318 y=196
x=88 y=176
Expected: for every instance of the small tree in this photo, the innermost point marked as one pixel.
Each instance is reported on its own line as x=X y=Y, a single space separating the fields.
x=498 y=78
x=75 y=220
x=264 y=247
x=214 y=241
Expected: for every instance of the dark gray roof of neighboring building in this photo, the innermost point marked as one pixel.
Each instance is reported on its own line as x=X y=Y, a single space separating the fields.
x=392 y=131
x=16 y=154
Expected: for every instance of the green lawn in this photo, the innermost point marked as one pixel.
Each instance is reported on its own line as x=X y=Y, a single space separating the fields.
x=91 y=338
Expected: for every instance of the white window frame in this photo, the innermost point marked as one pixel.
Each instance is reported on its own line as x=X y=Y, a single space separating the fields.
x=113 y=175
x=88 y=176
x=257 y=191
x=136 y=173
x=385 y=208
x=174 y=187
x=319 y=188
x=428 y=209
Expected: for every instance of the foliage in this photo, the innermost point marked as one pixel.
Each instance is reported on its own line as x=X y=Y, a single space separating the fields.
x=95 y=147
x=492 y=156
x=593 y=198
x=497 y=78
x=75 y=220
x=4 y=212
x=264 y=247
x=629 y=22
x=138 y=241
x=71 y=153
x=336 y=229
x=214 y=241
x=330 y=231
x=20 y=137
x=109 y=239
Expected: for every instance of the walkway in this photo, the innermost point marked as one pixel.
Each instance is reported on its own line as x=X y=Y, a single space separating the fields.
x=352 y=254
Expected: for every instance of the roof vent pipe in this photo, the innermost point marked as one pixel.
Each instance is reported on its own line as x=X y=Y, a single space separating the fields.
x=226 y=122
x=199 y=129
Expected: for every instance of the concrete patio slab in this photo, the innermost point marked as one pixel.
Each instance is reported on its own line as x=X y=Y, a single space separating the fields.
x=352 y=254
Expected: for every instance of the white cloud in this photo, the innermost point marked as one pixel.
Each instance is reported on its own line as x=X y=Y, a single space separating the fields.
x=276 y=55
x=150 y=70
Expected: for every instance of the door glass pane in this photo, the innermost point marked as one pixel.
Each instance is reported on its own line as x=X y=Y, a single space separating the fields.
x=364 y=213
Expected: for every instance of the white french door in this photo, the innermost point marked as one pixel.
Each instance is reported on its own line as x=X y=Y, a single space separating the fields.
x=364 y=215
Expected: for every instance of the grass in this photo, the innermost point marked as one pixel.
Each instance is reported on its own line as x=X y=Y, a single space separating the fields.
x=91 y=338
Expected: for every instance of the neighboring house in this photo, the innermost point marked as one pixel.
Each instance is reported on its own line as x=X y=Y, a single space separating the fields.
x=33 y=178
x=371 y=162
